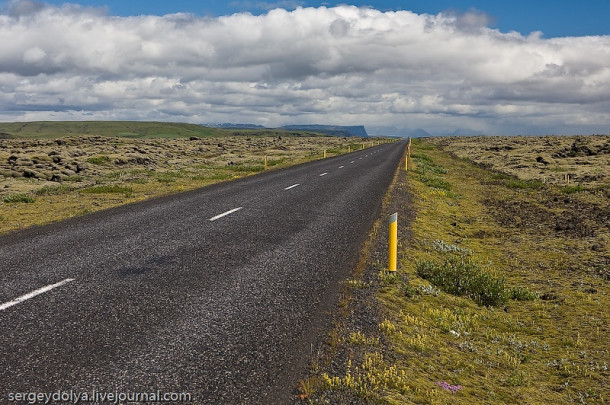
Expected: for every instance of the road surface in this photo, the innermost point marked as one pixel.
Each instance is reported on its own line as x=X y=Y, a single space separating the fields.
x=217 y=292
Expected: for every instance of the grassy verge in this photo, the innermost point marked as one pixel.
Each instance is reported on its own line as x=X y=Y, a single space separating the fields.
x=495 y=301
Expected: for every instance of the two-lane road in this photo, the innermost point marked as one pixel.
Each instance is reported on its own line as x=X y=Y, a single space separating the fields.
x=218 y=292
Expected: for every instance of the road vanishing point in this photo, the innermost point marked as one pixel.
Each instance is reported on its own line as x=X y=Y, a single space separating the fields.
x=219 y=292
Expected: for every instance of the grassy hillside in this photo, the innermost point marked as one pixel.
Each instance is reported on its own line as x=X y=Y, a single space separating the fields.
x=128 y=129
x=501 y=295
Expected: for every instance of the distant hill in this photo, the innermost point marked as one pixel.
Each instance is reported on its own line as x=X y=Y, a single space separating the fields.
x=136 y=130
x=419 y=133
x=335 y=130
x=125 y=129
x=230 y=125
x=463 y=132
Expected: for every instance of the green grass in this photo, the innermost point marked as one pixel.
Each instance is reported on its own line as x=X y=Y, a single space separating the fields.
x=462 y=277
x=572 y=189
x=18 y=198
x=215 y=175
x=248 y=168
x=169 y=177
x=426 y=166
x=55 y=190
x=430 y=173
x=436 y=182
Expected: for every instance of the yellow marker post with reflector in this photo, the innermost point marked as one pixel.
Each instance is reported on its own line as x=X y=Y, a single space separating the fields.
x=324 y=153
x=265 y=162
x=393 y=242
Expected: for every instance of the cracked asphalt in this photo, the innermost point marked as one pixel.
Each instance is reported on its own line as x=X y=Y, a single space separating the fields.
x=219 y=292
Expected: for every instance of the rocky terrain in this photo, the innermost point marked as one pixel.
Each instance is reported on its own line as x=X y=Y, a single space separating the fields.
x=585 y=160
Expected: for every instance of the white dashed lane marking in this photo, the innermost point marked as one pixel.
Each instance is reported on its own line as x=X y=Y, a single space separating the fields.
x=293 y=186
x=33 y=294
x=224 y=214
x=323 y=174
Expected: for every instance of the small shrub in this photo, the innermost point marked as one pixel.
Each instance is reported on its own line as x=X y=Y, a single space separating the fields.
x=524 y=184
x=522 y=294
x=425 y=165
x=18 y=198
x=572 y=189
x=422 y=158
x=460 y=276
x=408 y=290
x=444 y=247
x=435 y=182
x=54 y=190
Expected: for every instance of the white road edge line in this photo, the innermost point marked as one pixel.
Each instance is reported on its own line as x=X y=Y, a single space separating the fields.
x=323 y=174
x=33 y=294
x=224 y=214
x=293 y=186
x=341 y=167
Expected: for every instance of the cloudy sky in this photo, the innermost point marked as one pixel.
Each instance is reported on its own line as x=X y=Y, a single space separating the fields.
x=440 y=65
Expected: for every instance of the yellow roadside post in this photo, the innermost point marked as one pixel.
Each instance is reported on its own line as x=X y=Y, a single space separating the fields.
x=324 y=153
x=265 y=162
x=349 y=148
x=362 y=145
x=407 y=163
x=393 y=242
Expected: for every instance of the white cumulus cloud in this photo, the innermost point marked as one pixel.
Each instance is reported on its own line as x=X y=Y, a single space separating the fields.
x=341 y=65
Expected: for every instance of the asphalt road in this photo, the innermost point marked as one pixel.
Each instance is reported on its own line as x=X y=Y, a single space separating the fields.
x=218 y=292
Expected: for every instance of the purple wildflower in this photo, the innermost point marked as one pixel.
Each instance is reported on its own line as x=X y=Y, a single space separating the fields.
x=446 y=386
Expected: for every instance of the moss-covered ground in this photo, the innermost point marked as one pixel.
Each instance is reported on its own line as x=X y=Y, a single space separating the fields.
x=501 y=296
